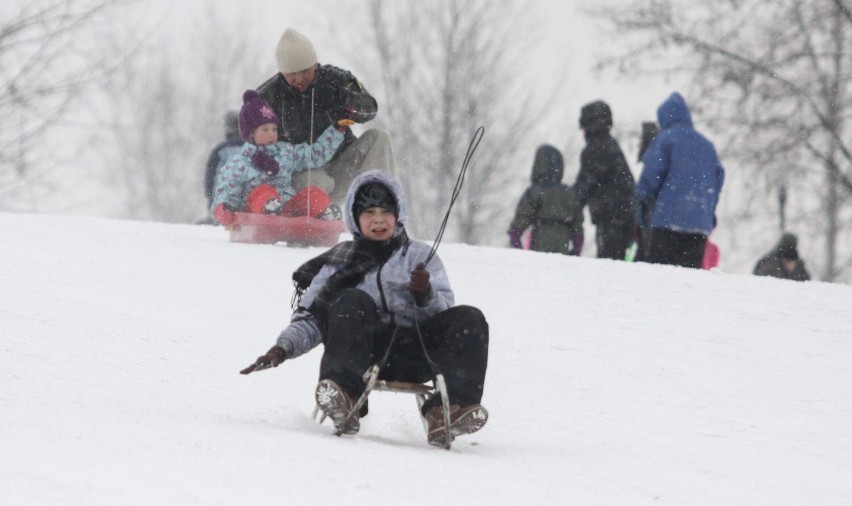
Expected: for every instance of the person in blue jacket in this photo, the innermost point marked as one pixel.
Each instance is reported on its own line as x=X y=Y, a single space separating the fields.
x=683 y=177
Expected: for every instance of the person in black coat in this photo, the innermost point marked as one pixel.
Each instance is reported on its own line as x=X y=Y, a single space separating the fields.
x=783 y=261
x=643 y=233
x=605 y=182
x=308 y=97
x=221 y=153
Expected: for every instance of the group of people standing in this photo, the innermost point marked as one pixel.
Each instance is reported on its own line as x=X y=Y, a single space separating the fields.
x=672 y=207
x=667 y=214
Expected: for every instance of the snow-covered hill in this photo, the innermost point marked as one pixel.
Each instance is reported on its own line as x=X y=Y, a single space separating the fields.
x=608 y=383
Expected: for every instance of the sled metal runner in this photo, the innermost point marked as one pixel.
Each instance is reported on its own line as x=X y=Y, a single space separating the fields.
x=297 y=230
x=420 y=390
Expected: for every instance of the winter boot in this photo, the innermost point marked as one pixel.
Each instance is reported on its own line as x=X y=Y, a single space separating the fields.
x=336 y=404
x=463 y=420
x=332 y=213
x=273 y=206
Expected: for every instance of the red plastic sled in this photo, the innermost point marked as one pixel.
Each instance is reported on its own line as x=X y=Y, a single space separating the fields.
x=299 y=230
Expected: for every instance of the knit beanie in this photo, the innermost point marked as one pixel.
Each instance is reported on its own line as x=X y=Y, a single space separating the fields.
x=254 y=113
x=374 y=195
x=294 y=52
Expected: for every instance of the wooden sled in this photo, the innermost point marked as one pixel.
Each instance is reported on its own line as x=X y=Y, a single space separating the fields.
x=421 y=392
x=298 y=230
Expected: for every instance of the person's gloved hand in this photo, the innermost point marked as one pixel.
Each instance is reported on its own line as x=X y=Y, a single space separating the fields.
x=224 y=215
x=514 y=238
x=420 y=280
x=420 y=285
x=577 y=244
x=344 y=123
x=272 y=358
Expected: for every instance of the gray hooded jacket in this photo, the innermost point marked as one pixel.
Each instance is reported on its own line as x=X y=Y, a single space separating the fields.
x=388 y=285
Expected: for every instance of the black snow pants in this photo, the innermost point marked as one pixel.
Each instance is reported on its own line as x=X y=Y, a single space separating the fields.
x=456 y=340
x=676 y=248
x=613 y=239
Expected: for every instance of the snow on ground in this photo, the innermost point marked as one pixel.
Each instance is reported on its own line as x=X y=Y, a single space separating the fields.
x=608 y=383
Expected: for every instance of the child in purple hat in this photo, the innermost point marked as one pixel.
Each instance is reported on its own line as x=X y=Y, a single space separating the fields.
x=257 y=179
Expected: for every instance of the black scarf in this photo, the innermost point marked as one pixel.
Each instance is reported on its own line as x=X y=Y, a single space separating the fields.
x=358 y=258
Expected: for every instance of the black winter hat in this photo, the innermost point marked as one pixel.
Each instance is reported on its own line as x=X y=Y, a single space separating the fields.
x=596 y=114
x=787 y=247
x=374 y=195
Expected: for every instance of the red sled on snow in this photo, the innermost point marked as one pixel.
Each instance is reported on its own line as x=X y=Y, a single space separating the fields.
x=296 y=231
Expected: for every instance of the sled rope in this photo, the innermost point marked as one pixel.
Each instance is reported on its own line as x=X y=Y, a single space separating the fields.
x=471 y=149
x=311 y=147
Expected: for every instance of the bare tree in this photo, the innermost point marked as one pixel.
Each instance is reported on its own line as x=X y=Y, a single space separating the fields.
x=48 y=65
x=165 y=111
x=445 y=68
x=775 y=77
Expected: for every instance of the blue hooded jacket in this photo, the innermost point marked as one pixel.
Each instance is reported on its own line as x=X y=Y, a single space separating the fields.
x=681 y=172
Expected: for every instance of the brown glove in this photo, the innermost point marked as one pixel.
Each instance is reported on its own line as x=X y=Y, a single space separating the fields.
x=273 y=358
x=419 y=285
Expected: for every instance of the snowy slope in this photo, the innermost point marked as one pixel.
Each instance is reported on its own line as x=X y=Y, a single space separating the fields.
x=608 y=383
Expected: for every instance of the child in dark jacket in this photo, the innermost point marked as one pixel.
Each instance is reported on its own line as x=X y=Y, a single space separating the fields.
x=379 y=300
x=549 y=207
x=258 y=178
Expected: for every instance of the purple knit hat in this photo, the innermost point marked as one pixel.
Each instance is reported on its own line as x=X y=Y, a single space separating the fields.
x=254 y=113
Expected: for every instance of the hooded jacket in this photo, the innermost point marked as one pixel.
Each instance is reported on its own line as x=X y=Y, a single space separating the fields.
x=682 y=173
x=605 y=182
x=296 y=110
x=548 y=206
x=387 y=285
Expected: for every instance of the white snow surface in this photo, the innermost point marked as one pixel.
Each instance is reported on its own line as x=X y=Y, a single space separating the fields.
x=608 y=382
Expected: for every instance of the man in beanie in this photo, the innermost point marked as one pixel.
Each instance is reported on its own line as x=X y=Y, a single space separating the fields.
x=380 y=300
x=309 y=97
x=681 y=181
x=605 y=182
x=783 y=261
